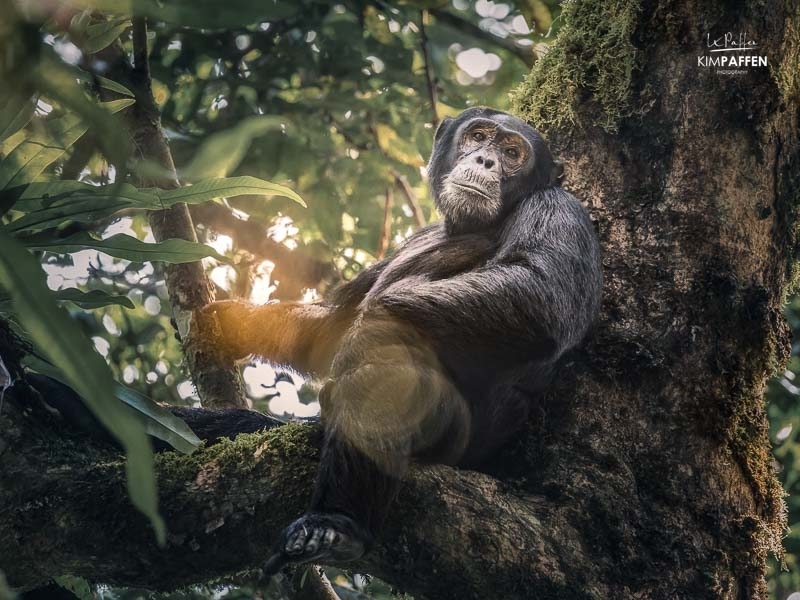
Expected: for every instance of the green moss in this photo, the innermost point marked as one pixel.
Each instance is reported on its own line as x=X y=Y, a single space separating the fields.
x=758 y=535
x=593 y=57
x=288 y=440
x=787 y=75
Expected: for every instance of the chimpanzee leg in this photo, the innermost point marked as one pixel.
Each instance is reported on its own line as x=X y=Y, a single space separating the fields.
x=388 y=402
x=351 y=497
x=351 y=483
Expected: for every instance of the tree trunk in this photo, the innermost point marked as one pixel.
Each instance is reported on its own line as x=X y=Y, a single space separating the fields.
x=693 y=179
x=648 y=473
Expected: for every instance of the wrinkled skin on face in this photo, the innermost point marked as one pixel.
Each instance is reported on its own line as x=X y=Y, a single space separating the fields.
x=483 y=163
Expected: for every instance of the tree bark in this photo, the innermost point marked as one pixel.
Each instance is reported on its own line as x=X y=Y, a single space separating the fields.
x=647 y=473
x=661 y=444
x=217 y=384
x=452 y=534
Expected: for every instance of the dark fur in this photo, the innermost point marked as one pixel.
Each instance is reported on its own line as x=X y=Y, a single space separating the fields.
x=435 y=353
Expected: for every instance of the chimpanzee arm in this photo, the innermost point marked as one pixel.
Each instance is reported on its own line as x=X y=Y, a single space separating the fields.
x=542 y=290
x=289 y=333
x=501 y=305
x=302 y=335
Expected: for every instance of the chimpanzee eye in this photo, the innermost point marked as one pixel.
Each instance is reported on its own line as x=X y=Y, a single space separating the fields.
x=478 y=136
x=512 y=153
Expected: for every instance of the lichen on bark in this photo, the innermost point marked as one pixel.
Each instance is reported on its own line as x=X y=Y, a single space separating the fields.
x=592 y=59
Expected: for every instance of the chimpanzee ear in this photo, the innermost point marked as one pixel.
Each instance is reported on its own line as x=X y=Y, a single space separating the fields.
x=443 y=126
x=557 y=174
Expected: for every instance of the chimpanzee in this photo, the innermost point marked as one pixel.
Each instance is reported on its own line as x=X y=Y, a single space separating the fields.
x=435 y=353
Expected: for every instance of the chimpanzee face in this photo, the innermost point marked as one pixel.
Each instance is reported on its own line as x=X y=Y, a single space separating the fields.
x=483 y=163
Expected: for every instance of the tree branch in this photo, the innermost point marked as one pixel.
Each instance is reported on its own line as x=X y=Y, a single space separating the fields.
x=65 y=507
x=386 y=230
x=430 y=82
x=189 y=288
x=411 y=198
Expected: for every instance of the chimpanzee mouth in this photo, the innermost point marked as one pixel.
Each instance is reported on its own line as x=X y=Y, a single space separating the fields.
x=476 y=190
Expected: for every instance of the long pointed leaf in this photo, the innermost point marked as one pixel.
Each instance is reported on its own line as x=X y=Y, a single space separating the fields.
x=157 y=420
x=92 y=298
x=51 y=203
x=127 y=247
x=102 y=35
x=15 y=114
x=62 y=342
x=47 y=195
x=81 y=209
x=27 y=158
x=59 y=81
x=226 y=188
x=222 y=152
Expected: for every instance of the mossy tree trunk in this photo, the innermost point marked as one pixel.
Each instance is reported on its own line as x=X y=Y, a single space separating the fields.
x=693 y=179
x=648 y=473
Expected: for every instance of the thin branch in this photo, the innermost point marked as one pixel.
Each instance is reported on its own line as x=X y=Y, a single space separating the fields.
x=386 y=232
x=311 y=583
x=429 y=78
x=524 y=54
x=141 y=64
x=411 y=198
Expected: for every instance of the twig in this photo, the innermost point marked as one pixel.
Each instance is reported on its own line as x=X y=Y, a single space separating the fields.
x=311 y=583
x=429 y=78
x=141 y=64
x=411 y=199
x=386 y=232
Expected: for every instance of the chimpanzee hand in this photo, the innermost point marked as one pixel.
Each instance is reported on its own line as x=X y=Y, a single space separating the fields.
x=222 y=326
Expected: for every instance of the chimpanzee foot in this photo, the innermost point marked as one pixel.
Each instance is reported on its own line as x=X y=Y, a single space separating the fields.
x=318 y=537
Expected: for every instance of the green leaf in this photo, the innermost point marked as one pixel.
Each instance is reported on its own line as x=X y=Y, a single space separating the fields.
x=77 y=585
x=226 y=188
x=103 y=82
x=222 y=152
x=110 y=84
x=47 y=195
x=159 y=422
x=51 y=203
x=102 y=35
x=92 y=298
x=15 y=113
x=27 y=156
x=59 y=81
x=61 y=341
x=126 y=247
x=82 y=209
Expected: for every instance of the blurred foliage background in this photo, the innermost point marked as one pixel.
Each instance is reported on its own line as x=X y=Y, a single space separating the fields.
x=336 y=101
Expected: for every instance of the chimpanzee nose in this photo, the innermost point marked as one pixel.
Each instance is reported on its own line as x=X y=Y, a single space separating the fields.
x=486 y=162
